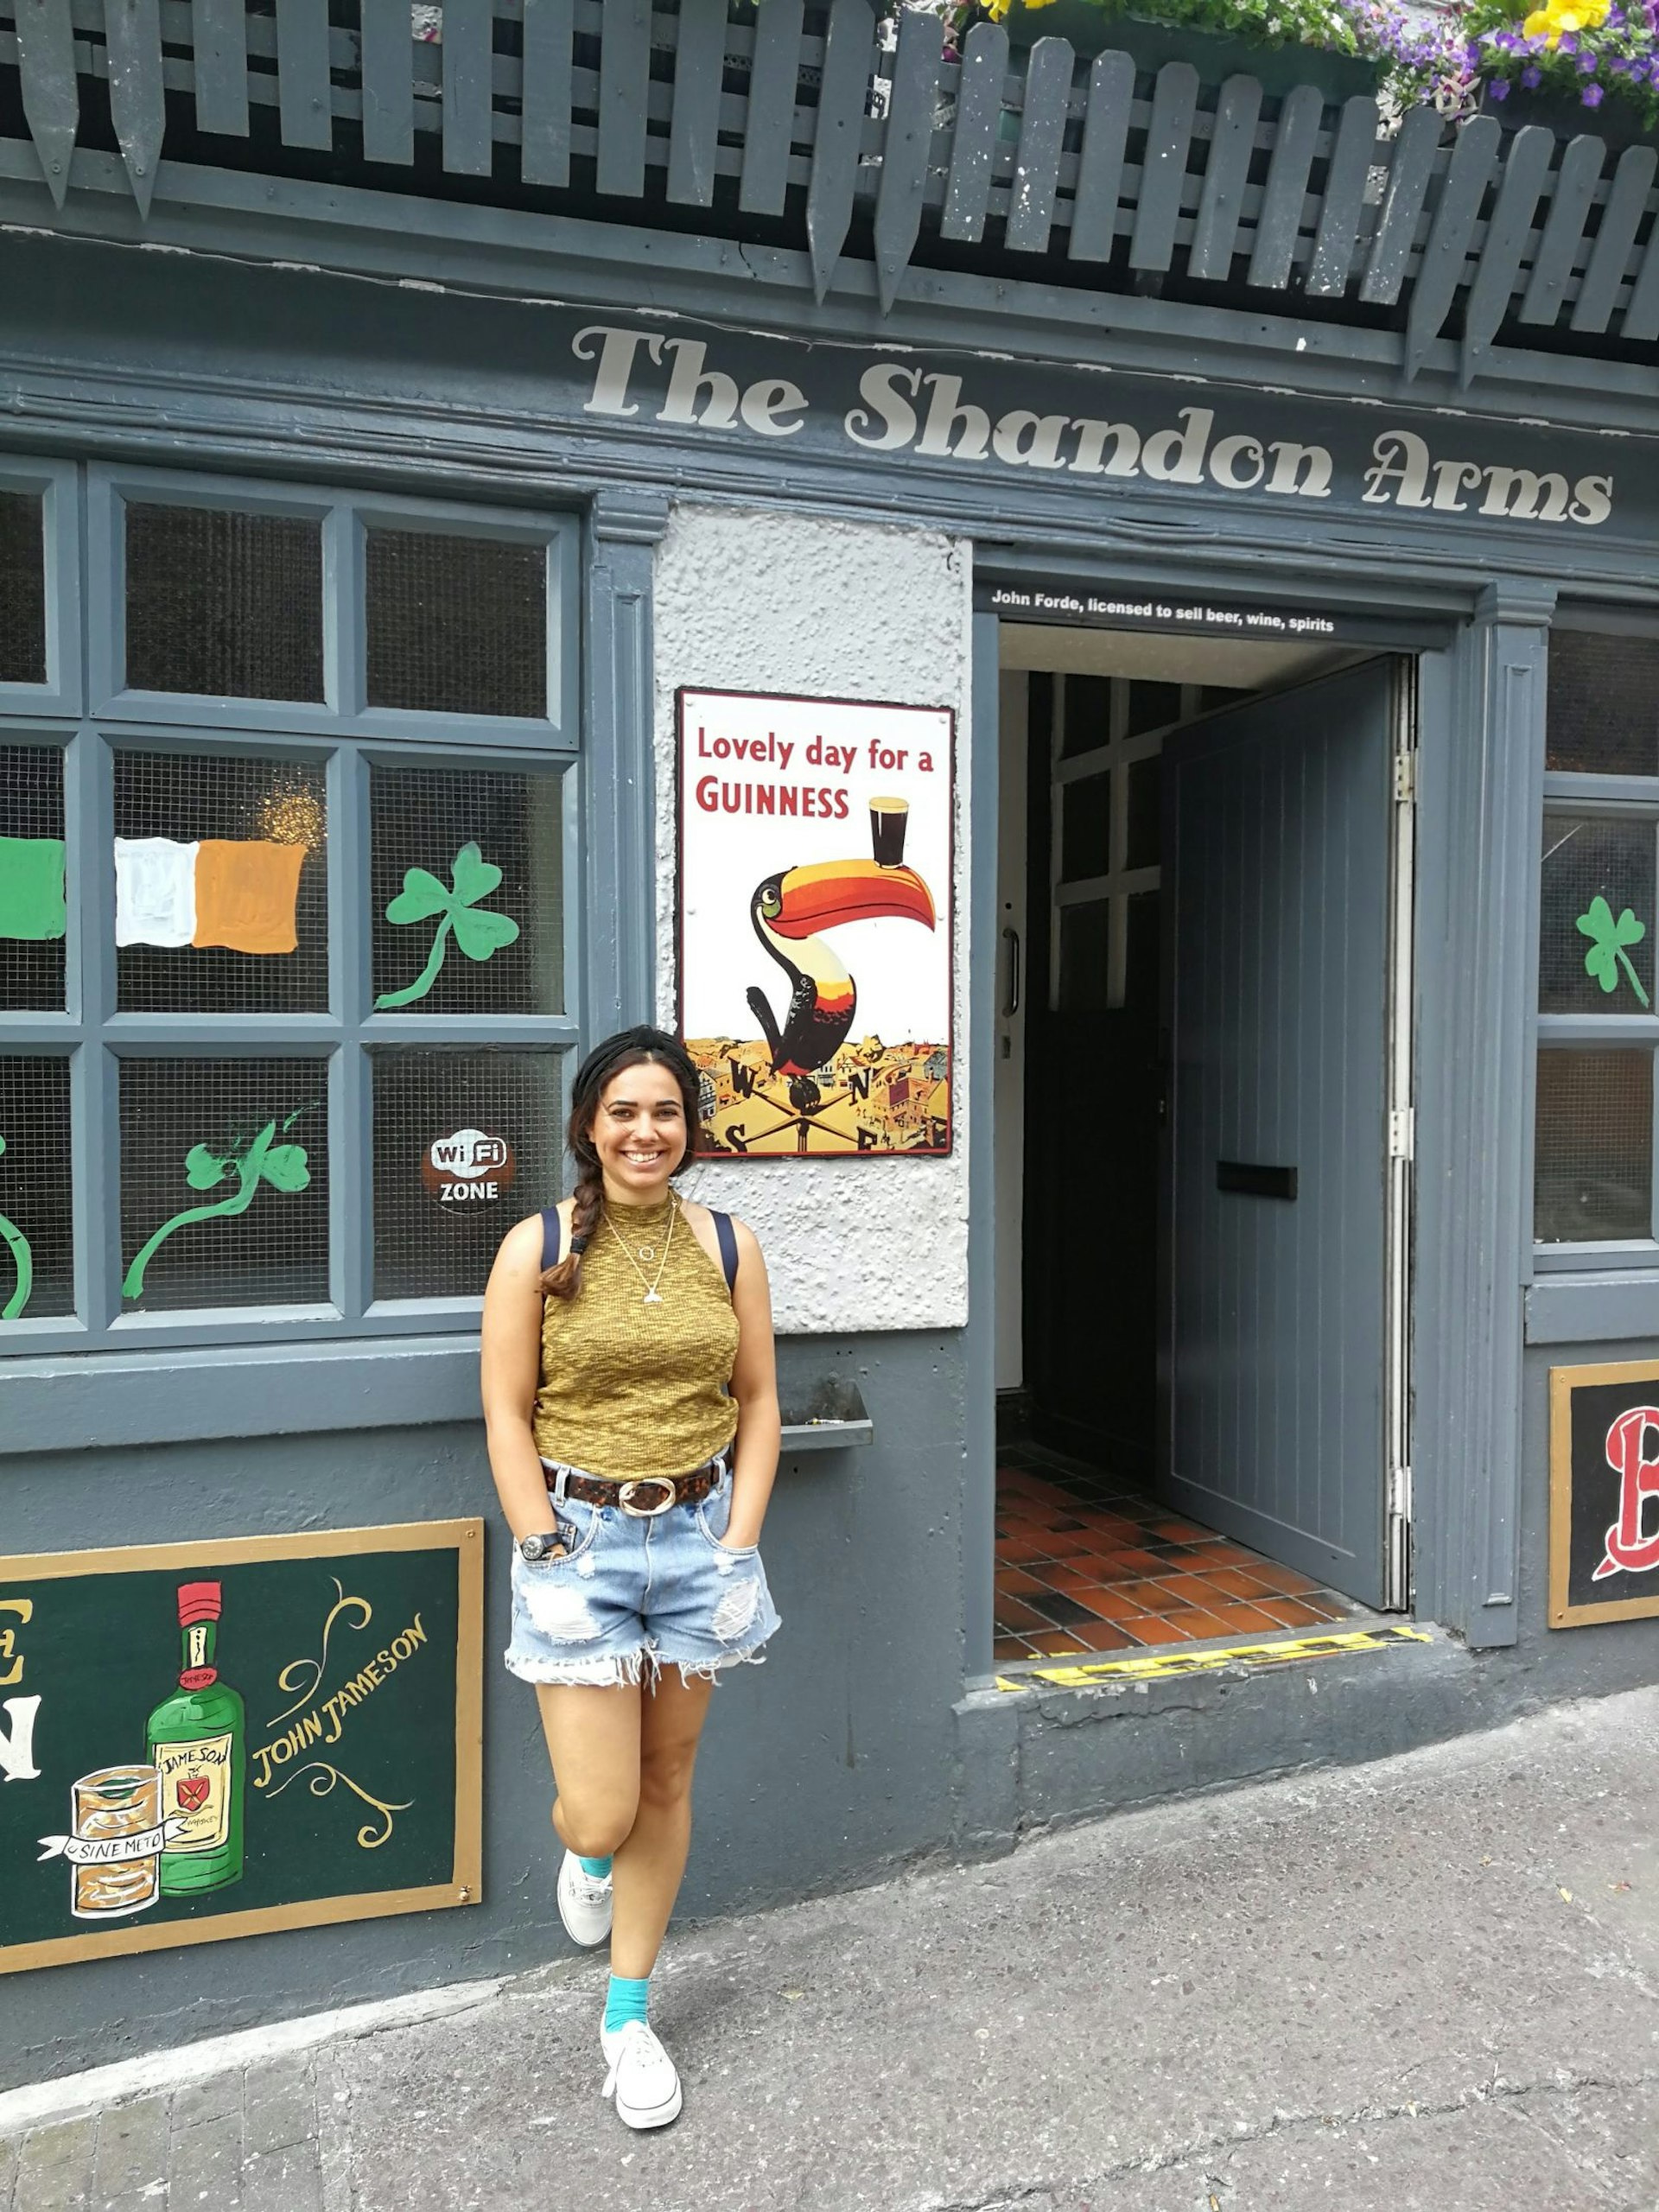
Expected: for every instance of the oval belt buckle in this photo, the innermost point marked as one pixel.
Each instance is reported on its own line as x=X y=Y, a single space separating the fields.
x=625 y=1497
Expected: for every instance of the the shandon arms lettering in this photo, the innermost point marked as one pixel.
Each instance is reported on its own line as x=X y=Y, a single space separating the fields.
x=1404 y=473
x=948 y=427
x=906 y=407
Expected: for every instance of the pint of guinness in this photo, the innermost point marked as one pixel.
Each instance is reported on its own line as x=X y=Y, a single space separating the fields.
x=889 y=819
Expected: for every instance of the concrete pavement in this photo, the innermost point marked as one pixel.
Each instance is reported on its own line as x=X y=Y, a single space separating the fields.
x=1430 y=1985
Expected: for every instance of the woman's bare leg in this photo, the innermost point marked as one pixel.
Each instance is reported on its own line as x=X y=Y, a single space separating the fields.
x=646 y=1878
x=594 y=1741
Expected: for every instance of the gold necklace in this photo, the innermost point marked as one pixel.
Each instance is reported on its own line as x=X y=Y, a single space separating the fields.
x=653 y=1296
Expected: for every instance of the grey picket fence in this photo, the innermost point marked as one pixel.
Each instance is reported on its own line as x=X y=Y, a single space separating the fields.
x=1078 y=167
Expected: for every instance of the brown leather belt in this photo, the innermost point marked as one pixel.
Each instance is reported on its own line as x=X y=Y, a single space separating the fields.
x=661 y=1492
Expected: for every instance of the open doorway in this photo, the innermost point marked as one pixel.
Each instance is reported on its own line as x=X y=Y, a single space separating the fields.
x=1201 y=1071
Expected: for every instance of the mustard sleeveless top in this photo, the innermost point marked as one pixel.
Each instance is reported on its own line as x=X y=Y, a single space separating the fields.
x=629 y=1389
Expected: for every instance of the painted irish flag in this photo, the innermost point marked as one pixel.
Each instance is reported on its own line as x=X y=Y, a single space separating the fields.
x=32 y=908
x=237 y=893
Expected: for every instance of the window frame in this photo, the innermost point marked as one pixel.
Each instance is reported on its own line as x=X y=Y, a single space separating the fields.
x=55 y=480
x=1118 y=884
x=1614 y=798
x=345 y=519
x=95 y=1035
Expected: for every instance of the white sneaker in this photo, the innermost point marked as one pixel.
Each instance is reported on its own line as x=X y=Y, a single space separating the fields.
x=584 y=1903
x=643 y=2078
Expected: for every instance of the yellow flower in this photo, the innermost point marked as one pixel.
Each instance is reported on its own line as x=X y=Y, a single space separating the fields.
x=997 y=9
x=1557 y=17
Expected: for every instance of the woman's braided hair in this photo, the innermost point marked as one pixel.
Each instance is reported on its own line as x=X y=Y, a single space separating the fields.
x=629 y=1048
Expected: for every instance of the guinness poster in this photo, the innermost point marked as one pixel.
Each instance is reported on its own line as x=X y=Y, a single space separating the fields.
x=815 y=919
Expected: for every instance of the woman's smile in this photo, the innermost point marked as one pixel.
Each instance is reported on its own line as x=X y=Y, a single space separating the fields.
x=639 y=1132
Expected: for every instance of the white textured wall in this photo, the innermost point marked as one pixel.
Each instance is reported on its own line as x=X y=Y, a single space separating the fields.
x=764 y=600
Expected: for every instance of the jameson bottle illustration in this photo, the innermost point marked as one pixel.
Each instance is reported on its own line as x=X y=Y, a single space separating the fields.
x=197 y=1740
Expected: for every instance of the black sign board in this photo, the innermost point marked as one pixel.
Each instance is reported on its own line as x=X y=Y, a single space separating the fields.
x=1063 y=603
x=215 y=1739
x=1604 y=1493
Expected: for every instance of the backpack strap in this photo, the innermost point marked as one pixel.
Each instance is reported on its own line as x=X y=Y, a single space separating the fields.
x=549 y=1237
x=727 y=1238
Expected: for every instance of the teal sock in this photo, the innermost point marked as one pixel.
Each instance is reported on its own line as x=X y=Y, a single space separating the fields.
x=597 y=1870
x=625 y=2000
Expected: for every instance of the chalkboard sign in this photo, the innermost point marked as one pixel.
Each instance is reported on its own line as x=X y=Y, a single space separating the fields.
x=1604 y=1493
x=215 y=1739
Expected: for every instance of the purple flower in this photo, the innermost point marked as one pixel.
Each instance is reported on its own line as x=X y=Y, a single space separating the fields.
x=1586 y=65
x=1569 y=42
x=1532 y=79
x=1499 y=89
x=1592 y=95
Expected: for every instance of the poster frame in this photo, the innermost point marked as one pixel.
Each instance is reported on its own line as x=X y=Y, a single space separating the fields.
x=466 y=1539
x=677 y=885
x=1563 y=1381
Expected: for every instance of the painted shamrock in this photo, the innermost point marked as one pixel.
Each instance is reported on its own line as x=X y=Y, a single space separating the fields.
x=283 y=1165
x=478 y=931
x=23 y=1260
x=1608 y=939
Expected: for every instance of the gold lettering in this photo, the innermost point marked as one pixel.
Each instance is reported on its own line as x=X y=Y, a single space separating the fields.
x=24 y=1609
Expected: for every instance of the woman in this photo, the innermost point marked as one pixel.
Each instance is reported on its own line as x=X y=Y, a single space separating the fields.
x=631 y=1396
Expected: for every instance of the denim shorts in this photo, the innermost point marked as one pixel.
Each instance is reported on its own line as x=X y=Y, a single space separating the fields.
x=633 y=1596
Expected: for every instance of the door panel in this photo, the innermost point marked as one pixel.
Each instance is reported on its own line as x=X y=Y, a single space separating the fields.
x=1277 y=825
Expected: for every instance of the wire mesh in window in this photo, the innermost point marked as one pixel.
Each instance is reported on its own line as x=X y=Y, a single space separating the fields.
x=37 y=1266
x=1085 y=828
x=456 y=625
x=1595 y=950
x=221 y=894
x=466 y=877
x=465 y=1143
x=224 y=602
x=1144 y=829
x=1593 y=1176
x=1087 y=723
x=1084 y=984
x=223 y=1183
x=1603 y=716
x=22 y=588
x=34 y=911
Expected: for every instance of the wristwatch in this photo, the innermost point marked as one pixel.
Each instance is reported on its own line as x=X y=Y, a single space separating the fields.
x=546 y=1543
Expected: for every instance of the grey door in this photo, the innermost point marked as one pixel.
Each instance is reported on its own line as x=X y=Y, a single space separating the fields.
x=1278 y=825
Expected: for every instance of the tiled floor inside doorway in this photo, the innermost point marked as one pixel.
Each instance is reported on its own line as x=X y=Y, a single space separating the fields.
x=1085 y=1562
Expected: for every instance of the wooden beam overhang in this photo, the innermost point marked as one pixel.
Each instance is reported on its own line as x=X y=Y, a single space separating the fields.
x=788 y=173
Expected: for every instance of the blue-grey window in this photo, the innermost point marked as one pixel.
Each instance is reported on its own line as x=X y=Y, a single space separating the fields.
x=1596 y=1192
x=288 y=874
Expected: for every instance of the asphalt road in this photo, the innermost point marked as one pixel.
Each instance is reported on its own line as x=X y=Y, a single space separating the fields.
x=1430 y=1985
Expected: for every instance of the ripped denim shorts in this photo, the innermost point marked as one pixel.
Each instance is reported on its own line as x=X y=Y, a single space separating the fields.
x=632 y=1596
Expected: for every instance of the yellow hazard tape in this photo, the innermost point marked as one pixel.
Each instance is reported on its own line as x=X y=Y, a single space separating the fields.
x=1148 y=1666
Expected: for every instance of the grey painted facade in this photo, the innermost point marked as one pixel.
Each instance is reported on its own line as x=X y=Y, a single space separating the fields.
x=869 y=1737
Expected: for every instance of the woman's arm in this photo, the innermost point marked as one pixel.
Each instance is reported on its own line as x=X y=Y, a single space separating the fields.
x=754 y=1386
x=511 y=1369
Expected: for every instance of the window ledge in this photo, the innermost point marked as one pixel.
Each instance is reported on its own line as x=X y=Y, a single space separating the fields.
x=84 y=1402
x=1584 y=1309
x=91 y=1401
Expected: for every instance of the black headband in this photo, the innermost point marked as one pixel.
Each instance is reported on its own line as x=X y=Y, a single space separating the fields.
x=643 y=1038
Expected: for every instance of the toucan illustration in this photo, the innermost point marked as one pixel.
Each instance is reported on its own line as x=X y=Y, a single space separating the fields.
x=788 y=910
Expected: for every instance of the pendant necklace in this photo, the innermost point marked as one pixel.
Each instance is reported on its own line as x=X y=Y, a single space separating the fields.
x=653 y=1296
